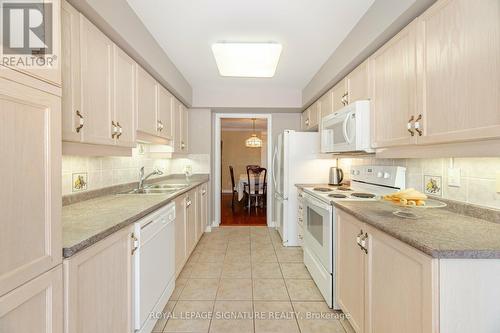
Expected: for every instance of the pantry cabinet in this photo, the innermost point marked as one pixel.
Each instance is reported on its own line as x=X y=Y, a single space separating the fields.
x=393 y=76
x=30 y=196
x=98 y=286
x=380 y=277
x=37 y=306
x=459 y=71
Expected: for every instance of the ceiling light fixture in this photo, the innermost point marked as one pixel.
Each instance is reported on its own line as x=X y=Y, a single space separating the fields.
x=253 y=141
x=247 y=59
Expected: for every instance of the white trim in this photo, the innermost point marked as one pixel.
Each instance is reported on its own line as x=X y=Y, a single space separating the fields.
x=217 y=162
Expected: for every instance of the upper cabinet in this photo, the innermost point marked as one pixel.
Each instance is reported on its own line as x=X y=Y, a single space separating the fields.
x=393 y=75
x=311 y=116
x=147 y=121
x=165 y=116
x=326 y=104
x=357 y=83
x=459 y=71
x=339 y=96
x=181 y=127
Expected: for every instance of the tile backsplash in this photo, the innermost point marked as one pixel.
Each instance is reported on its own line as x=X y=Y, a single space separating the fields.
x=477 y=177
x=99 y=172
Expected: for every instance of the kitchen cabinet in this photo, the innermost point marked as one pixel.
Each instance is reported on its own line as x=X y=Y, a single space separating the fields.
x=202 y=210
x=99 y=87
x=303 y=120
x=146 y=103
x=326 y=104
x=165 y=116
x=338 y=96
x=312 y=116
x=459 y=71
x=300 y=217
x=124 y=103
x=50 y=74
x=379 y=277
x=184 y=129
x=36 y=306
x=180 y=233
x=97 y=76
x=357 y=83
x=350 y=261
x=191 y=216
x=393 y=85
x=30 y=199
x=98 y=286
x=181 y=127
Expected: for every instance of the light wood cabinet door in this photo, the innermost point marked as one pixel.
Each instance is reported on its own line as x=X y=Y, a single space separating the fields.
x=184 y=128
x=314 y=115
x=98 y=286
x=459 y=71
x=30 y=196
x=358 y=83
x=72 y=113
x=304 y=119
x=326 y=104
x=350 y=261
x=97 y=76
x=147 y=121
x=191 y=214
x=338 y=92
x=35 y=307
x=176 y=105
x=165 y=115
x=203 y=219
x=50 y=74
x=400 y=285
x=180 y=233
x=124 y=95
x=393 y=83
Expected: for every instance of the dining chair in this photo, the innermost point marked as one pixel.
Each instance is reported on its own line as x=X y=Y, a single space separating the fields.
x=256 y=190
x=234 y=190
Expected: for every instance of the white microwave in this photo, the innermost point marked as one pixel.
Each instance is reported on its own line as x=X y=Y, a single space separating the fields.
x=347 y=130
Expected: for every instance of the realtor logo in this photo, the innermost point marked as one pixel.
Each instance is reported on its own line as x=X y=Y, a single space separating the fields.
x=27 y=34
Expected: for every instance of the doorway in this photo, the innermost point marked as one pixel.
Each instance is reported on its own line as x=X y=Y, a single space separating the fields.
x=243 y=170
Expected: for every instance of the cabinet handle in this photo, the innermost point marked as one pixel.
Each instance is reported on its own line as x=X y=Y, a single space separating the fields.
x=159 y=126
x=81 y=121
x=120 y=130
x=307 y=121
x=203 y=192
x=409 y=126
x=135 y=243
x=301 y=237
x=183 y=145
x=115 y=129
x=417 y=126
x=362 y=244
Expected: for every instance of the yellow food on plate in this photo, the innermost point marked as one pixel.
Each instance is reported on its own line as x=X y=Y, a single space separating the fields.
x=408 y=197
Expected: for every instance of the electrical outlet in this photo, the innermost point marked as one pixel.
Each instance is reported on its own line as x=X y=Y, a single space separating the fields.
x=454 y=177
x=498 y=181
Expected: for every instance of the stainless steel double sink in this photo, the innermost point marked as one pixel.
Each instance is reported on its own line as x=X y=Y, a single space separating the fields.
x=157 y=189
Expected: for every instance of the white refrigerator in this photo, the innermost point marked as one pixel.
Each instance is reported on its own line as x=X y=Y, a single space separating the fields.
x=296 y=160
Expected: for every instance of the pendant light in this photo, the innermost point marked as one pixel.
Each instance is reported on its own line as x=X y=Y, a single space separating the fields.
x=253 y=141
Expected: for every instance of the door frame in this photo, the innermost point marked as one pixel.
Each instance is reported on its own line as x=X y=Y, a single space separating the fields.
x=217 y=162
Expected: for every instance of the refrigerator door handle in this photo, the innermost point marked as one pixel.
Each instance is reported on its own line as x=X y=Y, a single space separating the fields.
x=274 y=175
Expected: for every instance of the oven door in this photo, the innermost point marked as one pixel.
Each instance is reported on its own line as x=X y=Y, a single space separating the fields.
x=318 y=231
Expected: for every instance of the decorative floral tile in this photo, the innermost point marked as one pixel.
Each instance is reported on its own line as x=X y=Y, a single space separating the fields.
x=80 y=181
x=433 y=185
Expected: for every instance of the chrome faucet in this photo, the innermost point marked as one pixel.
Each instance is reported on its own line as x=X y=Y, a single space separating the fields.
x=143 y=178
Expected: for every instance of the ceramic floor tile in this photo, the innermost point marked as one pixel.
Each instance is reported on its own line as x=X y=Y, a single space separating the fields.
x=163 y=317
x=270 y=290
x=290 y=254
x=317 y=317
x=183 y=320
x=275 y=317
x=266 y=270
x=294 y=271
x=206 y=270
x=186 y=273
x=211 y=256
x=235 y=289
x=232 y=317
x=264 y=256
x=200 y=289
x=235 y=258
x=179 y=286
x=303 y=290
x=237 y=270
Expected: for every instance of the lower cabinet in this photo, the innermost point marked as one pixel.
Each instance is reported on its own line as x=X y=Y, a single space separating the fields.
x=384 y=285
x=35 y=307
x=98 y=286
x=202 y=210
x=190 y=217
x=180 y=233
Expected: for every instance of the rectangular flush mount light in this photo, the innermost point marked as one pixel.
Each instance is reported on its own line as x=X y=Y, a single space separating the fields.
x=247 y=59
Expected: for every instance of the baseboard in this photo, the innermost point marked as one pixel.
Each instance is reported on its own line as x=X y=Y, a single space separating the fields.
x=208 y=228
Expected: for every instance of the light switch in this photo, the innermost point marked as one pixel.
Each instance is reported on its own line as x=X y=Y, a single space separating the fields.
x=498 y=181
x=454 y=177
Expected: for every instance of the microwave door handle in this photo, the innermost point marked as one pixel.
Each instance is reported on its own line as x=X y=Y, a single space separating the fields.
x=346 y=120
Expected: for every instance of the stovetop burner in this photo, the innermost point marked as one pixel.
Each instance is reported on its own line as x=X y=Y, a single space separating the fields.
x=363 y=195
x=322 y=189
x=337 y=195
x=344 y=188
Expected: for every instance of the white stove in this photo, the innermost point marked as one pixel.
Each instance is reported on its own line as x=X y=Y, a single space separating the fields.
x=368 y=183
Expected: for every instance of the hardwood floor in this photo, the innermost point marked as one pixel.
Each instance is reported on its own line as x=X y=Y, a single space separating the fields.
x=240 y=215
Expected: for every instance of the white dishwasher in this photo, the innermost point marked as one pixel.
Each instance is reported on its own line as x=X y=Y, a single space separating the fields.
x=154 y=266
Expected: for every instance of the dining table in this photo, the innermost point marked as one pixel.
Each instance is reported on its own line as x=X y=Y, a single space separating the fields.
x=243 y=183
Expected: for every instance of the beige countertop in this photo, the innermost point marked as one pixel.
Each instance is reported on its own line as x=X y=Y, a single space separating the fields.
x=87 y=222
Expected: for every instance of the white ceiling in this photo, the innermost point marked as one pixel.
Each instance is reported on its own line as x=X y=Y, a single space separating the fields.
x=309 y=30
